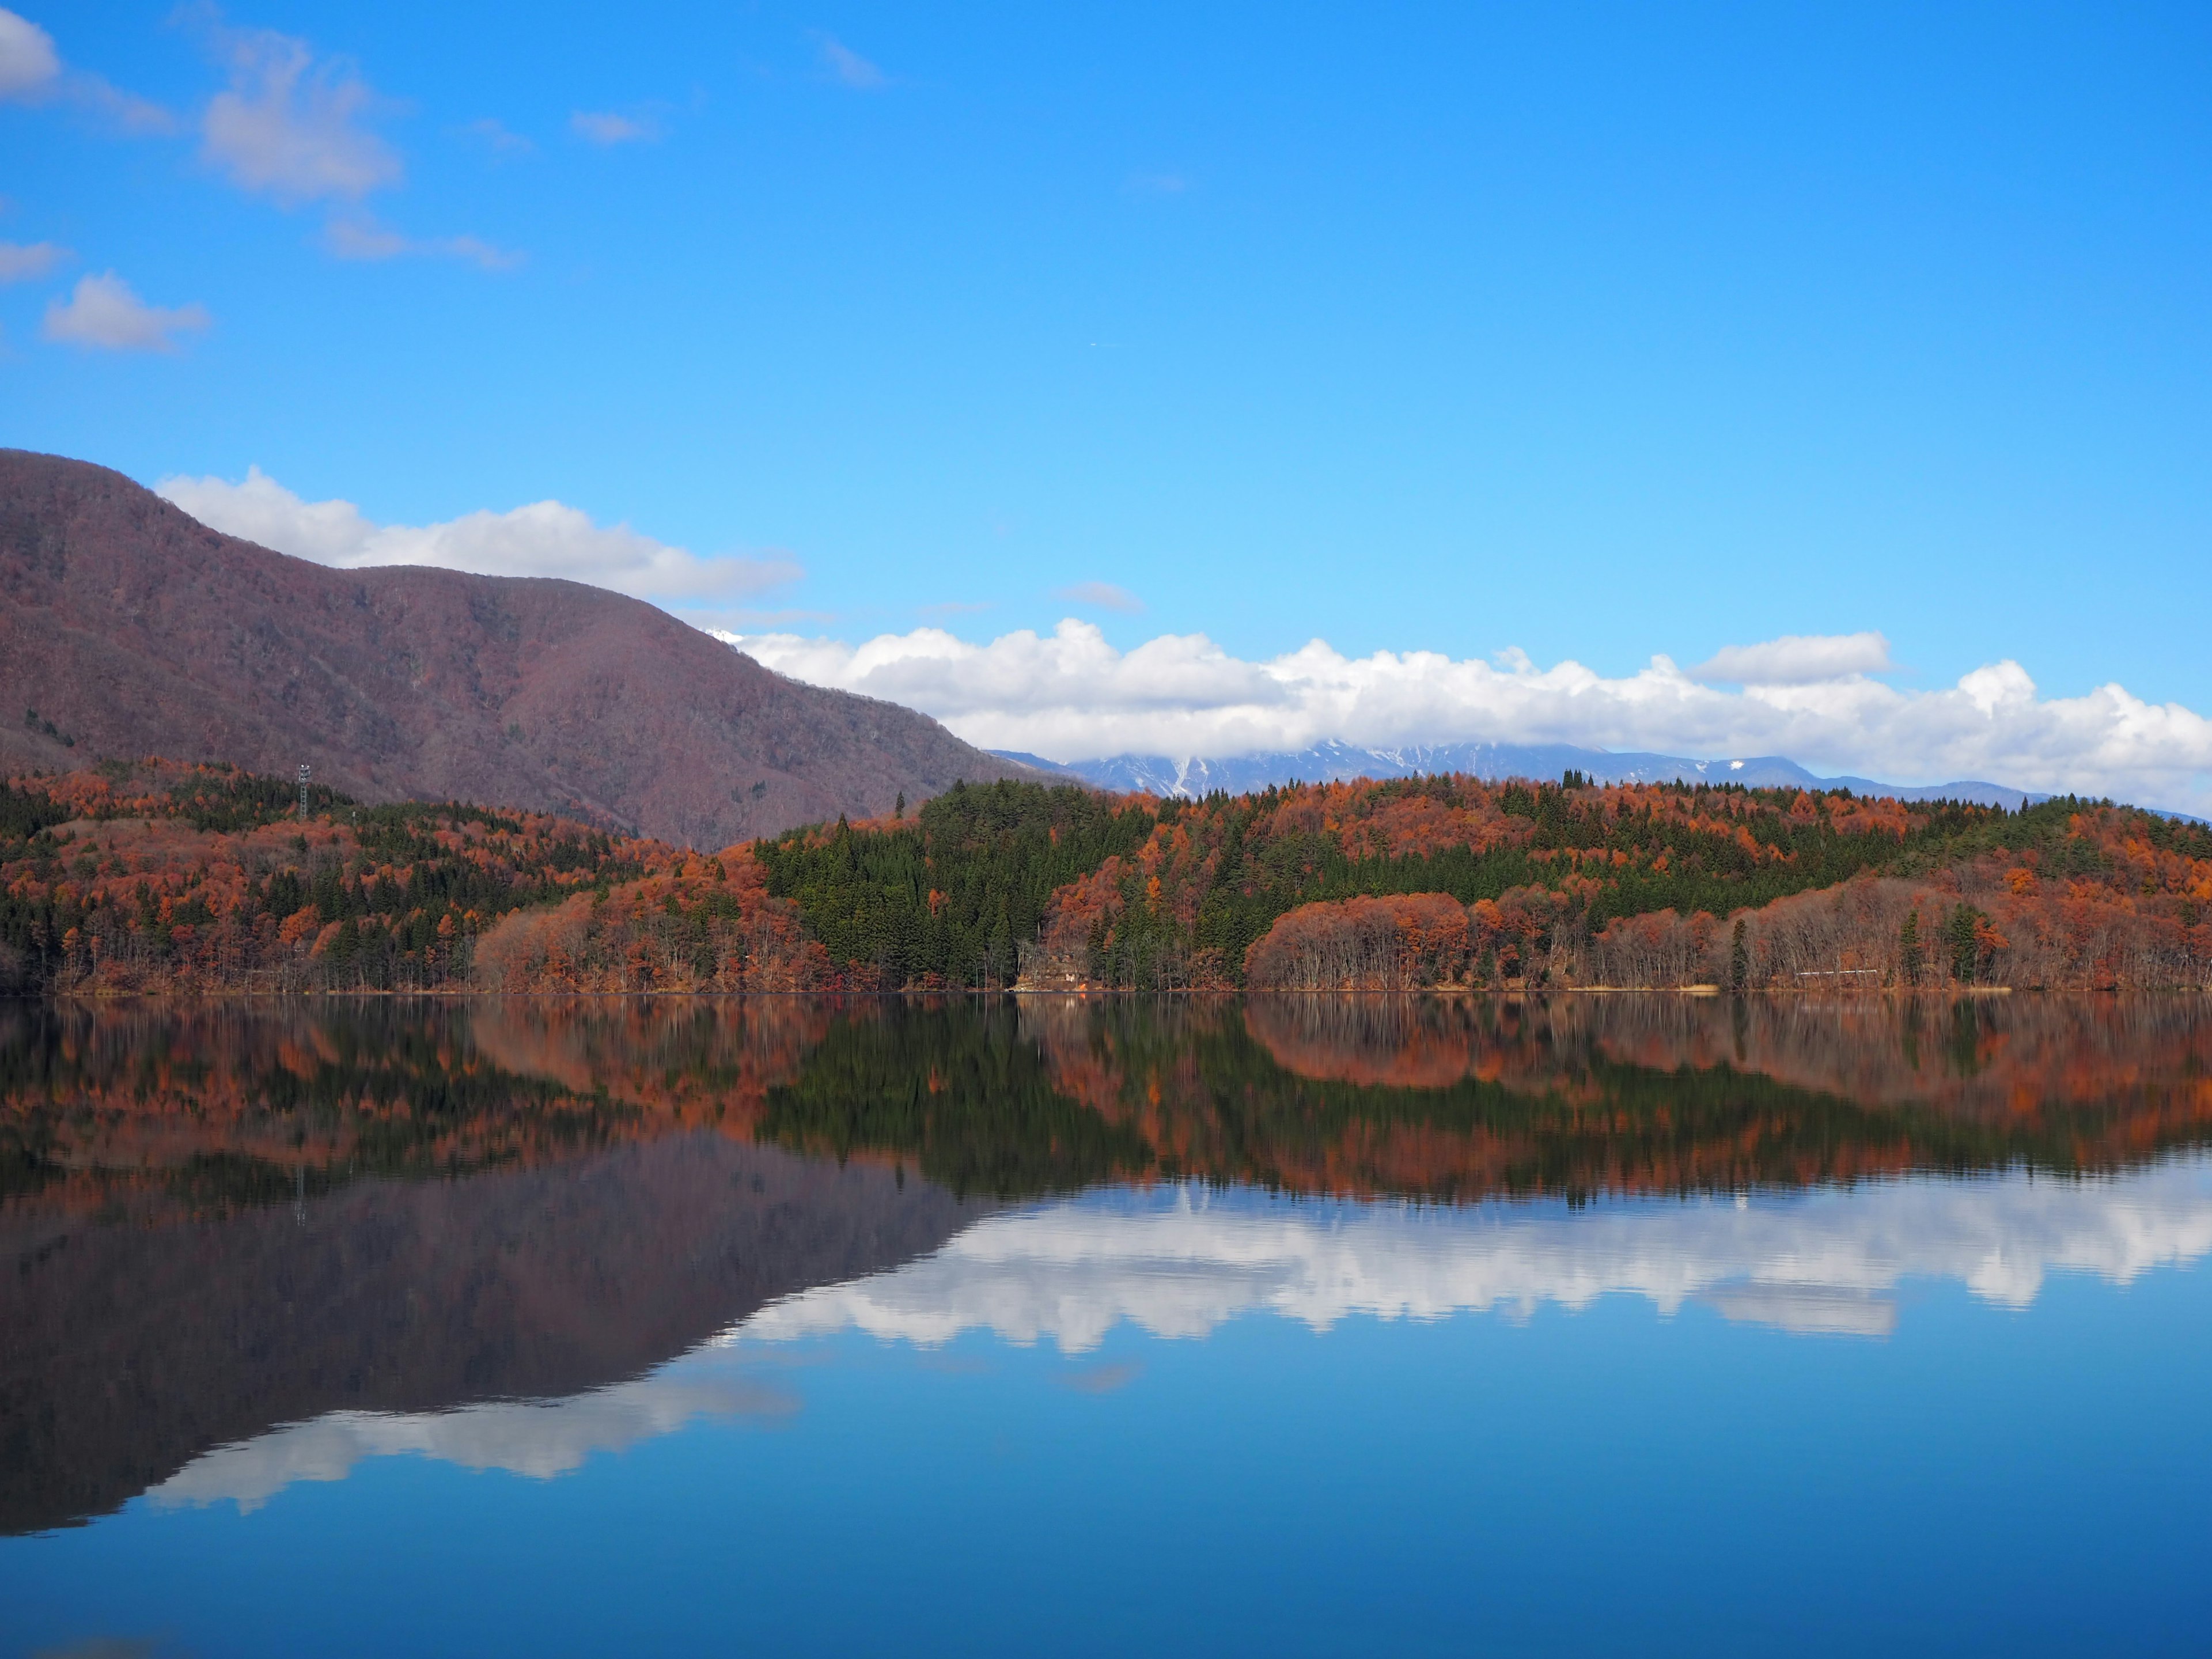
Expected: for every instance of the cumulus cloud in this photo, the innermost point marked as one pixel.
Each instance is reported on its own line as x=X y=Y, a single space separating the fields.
x=103 y=313
x=358 y=236
x=545 y=538
x=605 y=127
x=1105 y=596
x=1797 y=660
x=29 y=65
x=19 y=261
x=849 y=67
x=291 y=126
x=1070 y=695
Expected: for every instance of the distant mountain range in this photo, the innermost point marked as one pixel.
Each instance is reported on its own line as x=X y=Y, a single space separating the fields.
x=1328 y=762
x=128 y=628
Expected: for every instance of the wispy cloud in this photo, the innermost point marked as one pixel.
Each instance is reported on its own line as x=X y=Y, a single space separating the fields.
x=605 y=127
x=1070 y=695
x=1797 y=660
x=102 y=313
x=1101 y=596
x=31 y=71
x=496 y=136
x=1103 y=1379
x=20 y=262
x=125 y=111
x=357 y=236
x=1156 y=184
x=848 y=68
x=291 y=126
x=545 y=538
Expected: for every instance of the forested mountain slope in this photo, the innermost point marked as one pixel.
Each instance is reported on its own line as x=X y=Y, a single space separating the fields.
x=1451 y=880
x=128 y=629
x=157 y=877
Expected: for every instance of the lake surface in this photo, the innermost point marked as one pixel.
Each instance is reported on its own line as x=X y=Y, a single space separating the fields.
x=1311 y=1326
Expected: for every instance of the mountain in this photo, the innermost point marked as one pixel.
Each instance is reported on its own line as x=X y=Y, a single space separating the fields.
x=1336 y=762
x=128 y=628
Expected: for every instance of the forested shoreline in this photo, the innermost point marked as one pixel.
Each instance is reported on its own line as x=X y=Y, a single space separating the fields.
x=157 y=877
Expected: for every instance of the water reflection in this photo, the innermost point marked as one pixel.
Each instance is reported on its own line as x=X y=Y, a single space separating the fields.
x=537 y=1438
x=1177 y=1263
x=258 y=1243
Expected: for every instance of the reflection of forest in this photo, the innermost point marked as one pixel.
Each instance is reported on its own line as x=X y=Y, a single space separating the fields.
x=173 y=1110
x=1465 y=1098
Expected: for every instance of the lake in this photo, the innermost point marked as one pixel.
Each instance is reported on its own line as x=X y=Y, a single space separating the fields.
x=1655 y=1324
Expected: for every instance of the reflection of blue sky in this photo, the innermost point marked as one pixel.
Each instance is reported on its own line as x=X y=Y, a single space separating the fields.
x=1179 y=1261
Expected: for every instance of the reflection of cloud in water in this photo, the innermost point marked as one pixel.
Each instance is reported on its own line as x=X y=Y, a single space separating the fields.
x=1179 y=1261
x=540 y=1438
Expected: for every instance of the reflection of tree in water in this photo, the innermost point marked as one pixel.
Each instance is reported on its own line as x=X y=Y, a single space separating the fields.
x=1459 y=1098
x=953 y=1087
x=199 y=1109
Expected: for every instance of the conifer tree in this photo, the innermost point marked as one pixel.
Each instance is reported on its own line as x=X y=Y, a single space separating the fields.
x=1965 y=947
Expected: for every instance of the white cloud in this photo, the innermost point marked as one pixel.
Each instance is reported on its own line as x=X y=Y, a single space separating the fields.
x=605 y=127
x=358 y=236
x=849 y=67
x=103 y=312
x=1797 y=660
x=31 y=71
x=290 y=127
x=1104 y=596
x=29 y=65
x=1070 y=695
x=20 y=262
x=545 y=538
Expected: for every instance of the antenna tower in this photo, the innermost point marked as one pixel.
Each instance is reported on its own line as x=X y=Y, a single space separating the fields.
x=304 y=769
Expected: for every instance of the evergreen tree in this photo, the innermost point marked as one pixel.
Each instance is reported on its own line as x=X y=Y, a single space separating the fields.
x=1908 y=948
x=1965 y=946
x=1738 y=960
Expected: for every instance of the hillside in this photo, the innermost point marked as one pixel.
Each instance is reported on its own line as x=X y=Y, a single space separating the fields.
x=160 y=878
x=1453 y=881
x=156 y=877
x=128 y=629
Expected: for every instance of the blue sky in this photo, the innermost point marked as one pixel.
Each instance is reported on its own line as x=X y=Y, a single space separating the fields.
x=1593 y=331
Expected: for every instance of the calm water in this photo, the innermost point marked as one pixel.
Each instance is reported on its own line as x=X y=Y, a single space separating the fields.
x=1628 y=1324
